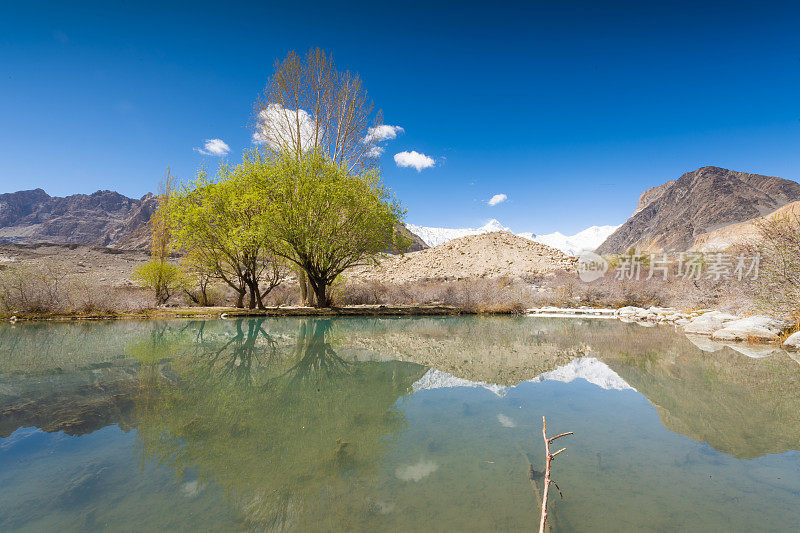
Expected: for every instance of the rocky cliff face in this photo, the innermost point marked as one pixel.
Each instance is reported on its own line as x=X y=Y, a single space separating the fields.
x=652 y=194
x=671 y=216
x=104 y=218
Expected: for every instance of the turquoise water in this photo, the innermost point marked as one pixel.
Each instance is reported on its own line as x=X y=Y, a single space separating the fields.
x=401 y=424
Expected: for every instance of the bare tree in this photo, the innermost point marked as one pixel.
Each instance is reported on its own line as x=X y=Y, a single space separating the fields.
x=308 y=105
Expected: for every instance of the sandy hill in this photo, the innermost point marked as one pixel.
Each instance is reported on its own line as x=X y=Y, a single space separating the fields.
x=669 y=217
x=722 y=238
x=496 y=254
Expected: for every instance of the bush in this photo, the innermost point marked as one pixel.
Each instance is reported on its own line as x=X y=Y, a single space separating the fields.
x=485 y=295
x=778 y=282
x=162 y=277
x=42 y=289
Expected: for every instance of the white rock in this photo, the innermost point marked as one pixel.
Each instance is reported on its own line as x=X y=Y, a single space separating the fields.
x=760 y=327
x=630 y=311
x=793 y=341
x=708 y=323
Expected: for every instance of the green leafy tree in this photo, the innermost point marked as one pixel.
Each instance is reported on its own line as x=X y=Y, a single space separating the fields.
x=219 y=225
x=160 y=276
x=324 y=219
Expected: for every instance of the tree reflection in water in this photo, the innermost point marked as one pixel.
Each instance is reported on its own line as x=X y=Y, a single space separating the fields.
x=292 y=433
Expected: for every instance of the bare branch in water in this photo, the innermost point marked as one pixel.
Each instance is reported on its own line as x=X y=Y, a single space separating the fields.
x=547 y=481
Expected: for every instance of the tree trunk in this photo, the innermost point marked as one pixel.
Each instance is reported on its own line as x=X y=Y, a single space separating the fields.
x=312 y=299
x=252 y=303
x=306 y=288
x=320 y=292
x=240 y=298
x=302 y=281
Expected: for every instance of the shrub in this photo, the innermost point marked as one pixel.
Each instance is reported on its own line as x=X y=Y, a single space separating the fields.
x=25 y=289
x=162 y=277
x=778 y=282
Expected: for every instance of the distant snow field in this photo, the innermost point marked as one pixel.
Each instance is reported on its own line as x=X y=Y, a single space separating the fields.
x=588 y=239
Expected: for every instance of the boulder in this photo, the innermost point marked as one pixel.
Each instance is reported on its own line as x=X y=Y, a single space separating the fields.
x=757 y=328
x=708 y=323
x=793 y=341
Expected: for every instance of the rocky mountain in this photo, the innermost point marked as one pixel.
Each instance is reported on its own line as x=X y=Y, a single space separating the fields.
x=652 y=194
x=103 y=218
x=670 y=217
x=588 y=239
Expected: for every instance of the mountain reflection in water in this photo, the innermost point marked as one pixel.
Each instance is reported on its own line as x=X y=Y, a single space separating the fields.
x=412 y=423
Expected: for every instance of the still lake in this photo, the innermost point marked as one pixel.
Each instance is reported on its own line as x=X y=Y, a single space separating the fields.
x=405 y=424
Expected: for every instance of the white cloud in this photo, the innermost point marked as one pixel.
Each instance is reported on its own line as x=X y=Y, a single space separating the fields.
x=216 y=147
x=413 y=159
x=277 y=128
x=375 y=151
x=497 y=199
x=384 y=132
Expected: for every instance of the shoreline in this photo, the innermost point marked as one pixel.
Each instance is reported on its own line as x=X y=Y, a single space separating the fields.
x=375 y=310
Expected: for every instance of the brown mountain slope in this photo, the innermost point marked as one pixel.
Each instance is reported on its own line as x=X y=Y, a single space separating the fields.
x=652 y=194
x=723 y=238
x=699 y=202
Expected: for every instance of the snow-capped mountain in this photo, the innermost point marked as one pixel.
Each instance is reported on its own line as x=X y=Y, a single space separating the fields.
x=588 y=239
x=437 y=379
x=587 y=368
x=592 y=370
x=436 y=236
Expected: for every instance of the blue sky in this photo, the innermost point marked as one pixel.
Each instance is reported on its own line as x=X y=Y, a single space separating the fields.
x=570 y=109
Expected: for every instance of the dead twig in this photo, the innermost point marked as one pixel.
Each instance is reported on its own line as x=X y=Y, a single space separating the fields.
x=547 y=481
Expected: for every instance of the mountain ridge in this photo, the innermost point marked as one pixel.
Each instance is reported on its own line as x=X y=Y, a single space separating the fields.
x=103 y=218
x=670 y=217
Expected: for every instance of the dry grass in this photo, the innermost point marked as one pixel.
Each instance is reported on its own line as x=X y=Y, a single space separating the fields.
x=478 y=295
x=563 y=289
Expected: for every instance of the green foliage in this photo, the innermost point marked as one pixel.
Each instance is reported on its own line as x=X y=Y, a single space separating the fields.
x=324 y=219
x=219 y=226
x=162 y=277
x=269 y=211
